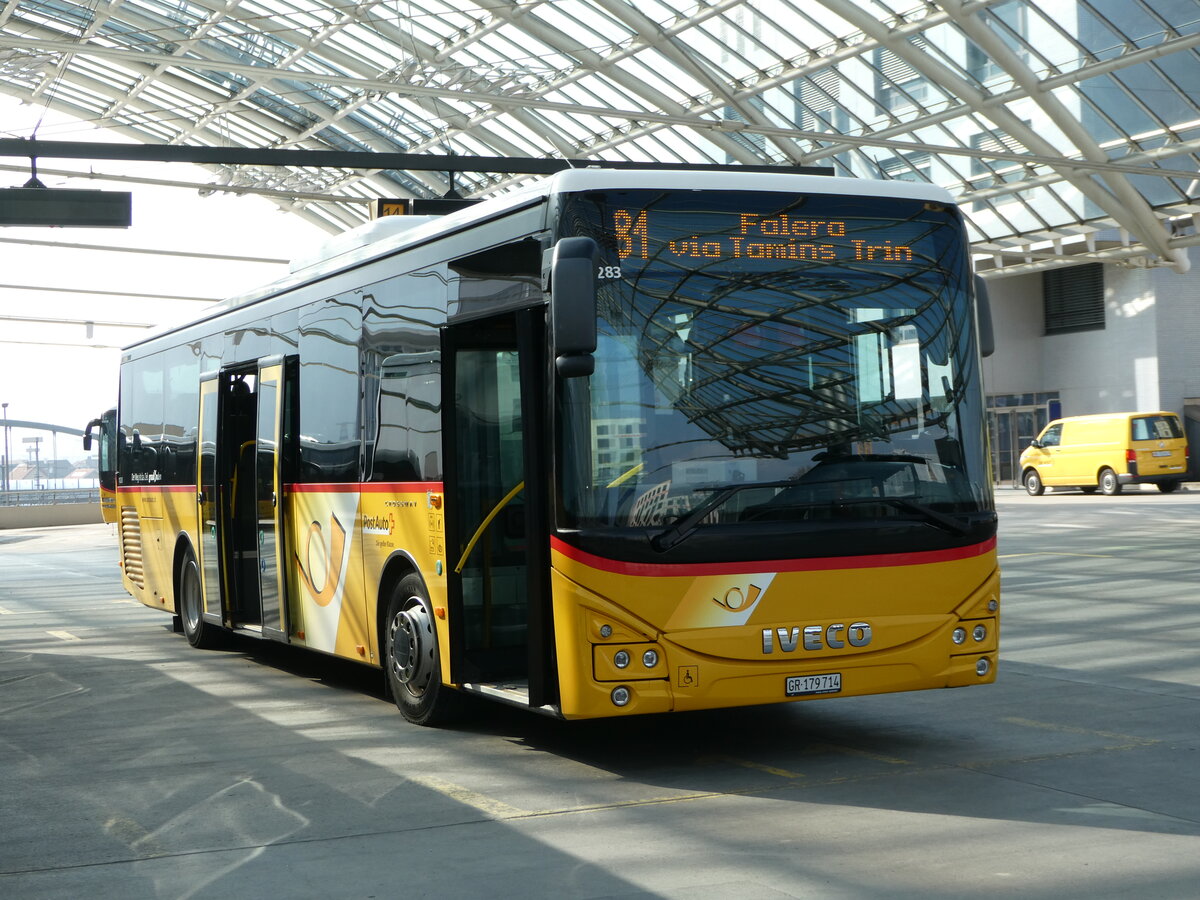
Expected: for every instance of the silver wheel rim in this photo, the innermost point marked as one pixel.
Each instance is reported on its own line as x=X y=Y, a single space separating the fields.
x=191 y=599
x=413 y=646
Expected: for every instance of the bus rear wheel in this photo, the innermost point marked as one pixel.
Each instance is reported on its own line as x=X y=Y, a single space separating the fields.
x=190 y=605
x=412 y=659
x=1109 y=484
x=1033 y=483
x=1168 y=487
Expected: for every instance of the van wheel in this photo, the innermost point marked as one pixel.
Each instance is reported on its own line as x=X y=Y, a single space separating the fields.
x=1168 y=487
x=1109 y=485
x=1033 y=483
x=412 y=660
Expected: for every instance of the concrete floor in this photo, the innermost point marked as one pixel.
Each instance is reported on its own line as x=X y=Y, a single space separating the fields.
x=132 y=766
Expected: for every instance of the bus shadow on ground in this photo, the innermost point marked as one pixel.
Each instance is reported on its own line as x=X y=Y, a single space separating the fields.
x=990 y=752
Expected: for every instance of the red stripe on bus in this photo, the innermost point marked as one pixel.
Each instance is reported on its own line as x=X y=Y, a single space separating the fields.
x=878 y=561
x=157 y=488
x=388 y=487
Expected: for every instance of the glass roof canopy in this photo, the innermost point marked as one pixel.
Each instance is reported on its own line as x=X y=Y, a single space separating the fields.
x=1069 y=129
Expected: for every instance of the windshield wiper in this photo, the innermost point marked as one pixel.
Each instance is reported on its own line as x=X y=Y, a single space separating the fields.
x=931 y=515
x=681 y=528
x=928 y=513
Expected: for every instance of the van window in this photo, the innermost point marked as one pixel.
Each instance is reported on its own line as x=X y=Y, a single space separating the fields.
x=1053 y=436
x=1156 y=428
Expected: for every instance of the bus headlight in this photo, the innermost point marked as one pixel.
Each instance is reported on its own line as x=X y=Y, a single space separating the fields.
x=621 y=660
x=620 y=696
x=979 y=632
x=981 y=668
x=959 y=635
x=650 y=659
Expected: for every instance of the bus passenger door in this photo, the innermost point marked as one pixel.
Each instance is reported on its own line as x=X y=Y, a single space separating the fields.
x=209 y=547
x=227 y=492
x=268 y=463
x=496 y=513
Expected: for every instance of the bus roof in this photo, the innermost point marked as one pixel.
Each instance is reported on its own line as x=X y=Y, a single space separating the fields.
x=381 y=237
x=388 y=235
x=592 y=179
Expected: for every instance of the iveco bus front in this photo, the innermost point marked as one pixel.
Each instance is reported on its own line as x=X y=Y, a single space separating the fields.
x=774 y=481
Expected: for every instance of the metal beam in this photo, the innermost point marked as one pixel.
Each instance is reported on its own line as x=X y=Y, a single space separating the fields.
x=43 y=426
x=113 y=248
x=1115 y=205
x=1130 y=209
x=348 y=159
x=93 y=322
x=93 y=292
x=203 y=187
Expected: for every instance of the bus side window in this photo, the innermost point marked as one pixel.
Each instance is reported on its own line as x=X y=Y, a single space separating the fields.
x=408 y=445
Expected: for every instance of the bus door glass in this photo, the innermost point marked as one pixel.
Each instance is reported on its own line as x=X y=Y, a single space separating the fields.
x=228 y=498
x=269 y=497
x=206 y=494
x=492 y=519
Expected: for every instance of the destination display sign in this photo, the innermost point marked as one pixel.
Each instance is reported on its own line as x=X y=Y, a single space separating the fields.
x=748 y=235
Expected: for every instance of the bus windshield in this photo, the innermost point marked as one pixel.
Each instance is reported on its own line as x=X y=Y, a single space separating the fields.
x=774 y=358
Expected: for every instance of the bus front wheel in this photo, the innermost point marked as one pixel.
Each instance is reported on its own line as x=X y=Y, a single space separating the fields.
x=412 y=659
x=1109 y=484
x=199 y=633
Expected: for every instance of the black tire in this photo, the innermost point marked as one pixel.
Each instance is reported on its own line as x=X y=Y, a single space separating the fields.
x=189 y=603
x=1033 y=483
x=411 y=659
x=1089 y=488
x=1109 y=485
x=1168 y=487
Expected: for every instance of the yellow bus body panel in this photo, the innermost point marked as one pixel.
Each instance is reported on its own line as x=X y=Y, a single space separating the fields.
x=705 y=627
x=150 y=520
x=339 y=542
x=108 y=506
x=708 y=630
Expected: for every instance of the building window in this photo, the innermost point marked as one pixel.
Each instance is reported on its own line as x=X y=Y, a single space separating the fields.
x=898 y=84
x=907 y=167
x=1074 y=298
x=987 y=173
x=818 y=101
x=1009 y=20
x=753 y=142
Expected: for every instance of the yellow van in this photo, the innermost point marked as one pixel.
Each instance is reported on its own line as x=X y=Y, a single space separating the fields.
x=1107 y=452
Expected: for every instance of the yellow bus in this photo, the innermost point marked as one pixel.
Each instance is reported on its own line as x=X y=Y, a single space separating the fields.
x=105 y=441
x=618 y=442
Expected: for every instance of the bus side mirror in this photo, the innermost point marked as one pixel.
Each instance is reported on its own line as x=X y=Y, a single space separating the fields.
x=983 y=312
x=572 y=286
x=87 y=433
